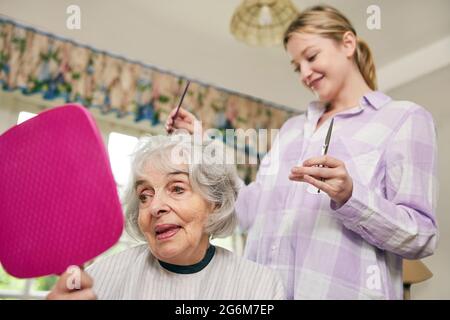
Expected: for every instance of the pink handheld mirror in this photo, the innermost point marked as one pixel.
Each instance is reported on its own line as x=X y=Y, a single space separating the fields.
x=58 y=199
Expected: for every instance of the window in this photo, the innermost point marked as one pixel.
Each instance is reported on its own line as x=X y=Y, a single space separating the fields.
x=24 y=116
x=120 y=147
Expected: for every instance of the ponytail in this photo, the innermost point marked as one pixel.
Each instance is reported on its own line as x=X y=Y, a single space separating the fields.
x=365 y=63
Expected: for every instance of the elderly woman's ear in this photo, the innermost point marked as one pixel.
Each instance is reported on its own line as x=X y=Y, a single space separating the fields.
x=215 y=206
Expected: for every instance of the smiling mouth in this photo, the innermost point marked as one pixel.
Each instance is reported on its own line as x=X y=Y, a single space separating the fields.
x=166 y=231
x=313 y=84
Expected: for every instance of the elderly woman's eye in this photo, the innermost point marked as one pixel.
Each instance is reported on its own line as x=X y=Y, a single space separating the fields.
x=143 y=197
x=178 y=189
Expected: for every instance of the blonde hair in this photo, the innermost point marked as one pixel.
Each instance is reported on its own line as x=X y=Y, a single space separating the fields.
x=329 y=22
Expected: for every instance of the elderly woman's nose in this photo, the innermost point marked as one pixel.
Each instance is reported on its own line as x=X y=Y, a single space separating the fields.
x=159 y=206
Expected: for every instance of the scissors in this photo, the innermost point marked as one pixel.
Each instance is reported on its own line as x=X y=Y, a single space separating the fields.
x=179 y=104
x=326 y=144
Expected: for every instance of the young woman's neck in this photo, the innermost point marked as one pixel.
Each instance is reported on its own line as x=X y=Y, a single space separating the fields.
x=353 y=89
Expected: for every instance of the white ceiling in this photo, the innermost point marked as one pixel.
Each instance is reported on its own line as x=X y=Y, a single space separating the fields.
x=192 y=38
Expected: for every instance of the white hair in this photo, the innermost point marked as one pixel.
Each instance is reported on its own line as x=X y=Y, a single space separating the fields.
x=216 y=182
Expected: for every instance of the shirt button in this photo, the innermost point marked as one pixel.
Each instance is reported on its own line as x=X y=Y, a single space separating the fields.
x=274 y=247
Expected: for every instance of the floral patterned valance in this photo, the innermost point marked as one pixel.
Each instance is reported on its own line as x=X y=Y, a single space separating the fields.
x=35 y=62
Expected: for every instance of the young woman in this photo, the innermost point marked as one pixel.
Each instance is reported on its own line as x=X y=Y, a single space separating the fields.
x=378 y=180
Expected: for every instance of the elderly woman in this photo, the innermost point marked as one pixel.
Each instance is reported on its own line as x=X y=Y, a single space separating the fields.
x=176 y=204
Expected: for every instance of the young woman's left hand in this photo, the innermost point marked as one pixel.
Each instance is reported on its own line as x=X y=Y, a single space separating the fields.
x=337 y=182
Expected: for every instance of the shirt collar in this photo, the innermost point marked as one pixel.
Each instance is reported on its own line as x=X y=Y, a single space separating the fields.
x=375 y=99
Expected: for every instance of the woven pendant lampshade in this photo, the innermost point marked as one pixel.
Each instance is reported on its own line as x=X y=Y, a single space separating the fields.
x=262 y=22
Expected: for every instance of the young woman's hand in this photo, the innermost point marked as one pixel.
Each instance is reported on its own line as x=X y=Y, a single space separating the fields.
x=337 y=183
x=73 y=285
x=184 y=120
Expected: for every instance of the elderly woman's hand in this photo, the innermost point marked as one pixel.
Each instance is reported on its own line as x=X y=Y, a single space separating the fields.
x=332 y=178
x=73 y=286
x=184 y=120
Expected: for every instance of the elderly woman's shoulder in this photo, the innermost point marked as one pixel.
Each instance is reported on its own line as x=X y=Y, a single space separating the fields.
x=263 y=279
x=119 y=260
x=242 y=262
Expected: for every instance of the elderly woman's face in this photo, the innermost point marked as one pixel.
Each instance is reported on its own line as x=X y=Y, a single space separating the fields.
x=172 y=216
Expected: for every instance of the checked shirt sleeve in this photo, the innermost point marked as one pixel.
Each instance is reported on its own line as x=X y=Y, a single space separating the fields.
x=400 y=218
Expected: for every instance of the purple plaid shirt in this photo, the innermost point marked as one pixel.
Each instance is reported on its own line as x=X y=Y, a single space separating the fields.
x=355 y=251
